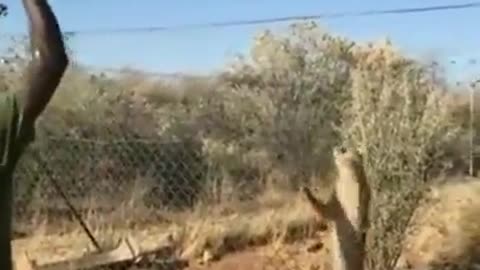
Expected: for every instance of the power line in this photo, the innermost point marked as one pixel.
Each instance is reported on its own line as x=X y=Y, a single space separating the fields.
x=233 y=23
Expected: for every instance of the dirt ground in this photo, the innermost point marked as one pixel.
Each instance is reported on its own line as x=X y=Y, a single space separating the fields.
x=292 y=257
x=273 y=233
x=308 y=255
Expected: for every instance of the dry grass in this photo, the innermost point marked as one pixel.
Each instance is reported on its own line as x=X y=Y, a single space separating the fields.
x=274 y=218
x=446 y=228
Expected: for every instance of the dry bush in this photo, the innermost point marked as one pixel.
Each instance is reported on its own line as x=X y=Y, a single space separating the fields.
x=393 y=109
x=444 y=229
x=275 y=107
x=402 y=122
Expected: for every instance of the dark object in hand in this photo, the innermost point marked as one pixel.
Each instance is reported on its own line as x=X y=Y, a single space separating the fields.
x=3 y=10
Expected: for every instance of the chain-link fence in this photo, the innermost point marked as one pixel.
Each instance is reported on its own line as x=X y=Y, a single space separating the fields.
x=169 y=175
x=140 y=187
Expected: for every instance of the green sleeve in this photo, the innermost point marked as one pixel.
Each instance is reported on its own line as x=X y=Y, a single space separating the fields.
x=14 y=136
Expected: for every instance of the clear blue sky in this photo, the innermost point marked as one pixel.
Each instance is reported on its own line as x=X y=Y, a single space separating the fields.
x=448 y=34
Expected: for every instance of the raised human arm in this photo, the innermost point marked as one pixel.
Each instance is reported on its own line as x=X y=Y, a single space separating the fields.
x=49 y=59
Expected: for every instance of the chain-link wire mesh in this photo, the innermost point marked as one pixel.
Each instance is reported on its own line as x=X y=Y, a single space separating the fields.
x=166 y=175
x=137 y=186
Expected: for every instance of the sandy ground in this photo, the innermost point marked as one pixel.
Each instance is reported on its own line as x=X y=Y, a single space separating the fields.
x=271 y=234
x=291 y=257
x=299 y=255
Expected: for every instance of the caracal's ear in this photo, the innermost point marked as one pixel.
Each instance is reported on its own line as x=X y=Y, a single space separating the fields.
x=339 y=150
x=348 y=152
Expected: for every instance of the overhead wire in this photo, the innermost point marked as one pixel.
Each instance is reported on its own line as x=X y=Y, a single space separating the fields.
x=246 y=22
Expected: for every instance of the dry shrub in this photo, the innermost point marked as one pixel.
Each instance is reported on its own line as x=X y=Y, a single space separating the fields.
x=445 y=229
x=402 y=122
x=276 y=106
x=394 y=110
